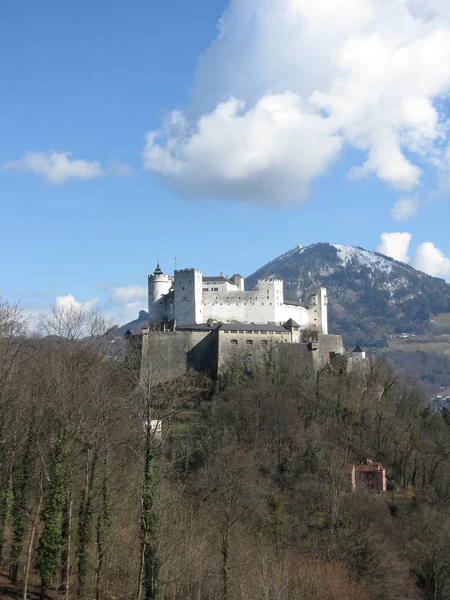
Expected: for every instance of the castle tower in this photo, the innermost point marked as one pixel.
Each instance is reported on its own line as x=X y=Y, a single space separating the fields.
x=317 y=302
x=188 y=297
x=159 y=285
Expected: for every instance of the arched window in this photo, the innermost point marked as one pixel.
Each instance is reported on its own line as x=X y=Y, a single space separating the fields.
x=249 y=342
x=234 y=342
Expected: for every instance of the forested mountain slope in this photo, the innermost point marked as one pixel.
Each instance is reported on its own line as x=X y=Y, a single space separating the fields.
x=371 y=296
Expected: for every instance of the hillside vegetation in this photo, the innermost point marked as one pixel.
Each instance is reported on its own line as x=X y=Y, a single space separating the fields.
x=242 y=497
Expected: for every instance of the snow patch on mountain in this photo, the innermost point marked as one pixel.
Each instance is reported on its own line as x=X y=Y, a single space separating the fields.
x=350 y=254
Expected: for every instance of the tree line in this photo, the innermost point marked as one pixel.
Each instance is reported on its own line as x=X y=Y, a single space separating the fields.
x=241 y=495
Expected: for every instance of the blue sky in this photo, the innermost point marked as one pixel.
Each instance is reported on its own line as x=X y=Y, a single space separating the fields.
x=223 y=193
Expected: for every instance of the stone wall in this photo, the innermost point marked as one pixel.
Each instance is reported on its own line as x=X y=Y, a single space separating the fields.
x=170 y=354
x=264 y=305
x=188 y=297
x=248 y=347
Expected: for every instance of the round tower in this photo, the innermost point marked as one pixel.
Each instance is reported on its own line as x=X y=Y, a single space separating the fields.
x=159 y=285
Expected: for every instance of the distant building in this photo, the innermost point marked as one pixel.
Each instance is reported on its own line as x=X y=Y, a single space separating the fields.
x=370 y=476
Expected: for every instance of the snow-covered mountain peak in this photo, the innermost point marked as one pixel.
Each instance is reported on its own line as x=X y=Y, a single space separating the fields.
x=350 y=254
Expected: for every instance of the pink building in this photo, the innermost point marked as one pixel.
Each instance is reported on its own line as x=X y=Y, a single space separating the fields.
x=370 y=476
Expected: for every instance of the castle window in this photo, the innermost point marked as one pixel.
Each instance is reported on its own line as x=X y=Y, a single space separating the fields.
x=263 y=342
x=249 y=342
x=205 y=289
x=234 y=342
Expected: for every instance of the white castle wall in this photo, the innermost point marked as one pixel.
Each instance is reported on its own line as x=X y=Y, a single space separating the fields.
x=158 y=286
x=317 y=301
x=188 y=297
x=264 y=305
x=189 y=302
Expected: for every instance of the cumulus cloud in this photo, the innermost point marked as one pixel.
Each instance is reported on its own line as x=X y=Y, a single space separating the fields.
x=131 y=310
x=287 y=84
x=56 y=167
x=431 y=260
x=404 y=209
x=70 y=303
x=128 y=293
x=395 y=245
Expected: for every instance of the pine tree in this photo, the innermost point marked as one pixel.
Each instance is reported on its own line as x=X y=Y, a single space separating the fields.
x=85 y=515
x=104 y=524
x=51 y=541
x=6 y=511
x=150 y=564
x=21 y=492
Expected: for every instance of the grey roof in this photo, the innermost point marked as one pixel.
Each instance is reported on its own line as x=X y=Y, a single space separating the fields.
x=357 y=349
x=198 y=327
x=218 y=278
x=251 y=327
x=294 y=303
x=231 y=327
x=291 y=323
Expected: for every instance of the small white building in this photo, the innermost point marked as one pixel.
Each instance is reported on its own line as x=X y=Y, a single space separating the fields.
x=189 y=298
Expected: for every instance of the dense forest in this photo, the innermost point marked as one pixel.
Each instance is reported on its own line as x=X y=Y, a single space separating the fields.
x=240 y=496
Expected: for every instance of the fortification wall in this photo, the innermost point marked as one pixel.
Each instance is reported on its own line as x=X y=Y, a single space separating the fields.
x=164 y=356
x=169 y=354
x=261 y=306
x=188 y=297
x=235 y=346
x=328 y=346
x=158 y=286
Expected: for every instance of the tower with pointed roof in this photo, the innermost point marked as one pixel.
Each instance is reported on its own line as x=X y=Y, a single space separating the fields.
x=159 y=285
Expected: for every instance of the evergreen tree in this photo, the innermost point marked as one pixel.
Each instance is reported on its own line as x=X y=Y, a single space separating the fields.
x=21 y=492
x=85 y=515
x=6 y=511
x=150 y=565
x=104 y=524
x=51 y=541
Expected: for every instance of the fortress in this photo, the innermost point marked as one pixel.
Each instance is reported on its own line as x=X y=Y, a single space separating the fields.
x=206 y=323
x=189 y=298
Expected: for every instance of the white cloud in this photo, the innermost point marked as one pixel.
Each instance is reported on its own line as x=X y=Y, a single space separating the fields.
x=404 y=209
x=395 y=245
x=255 y=152
x=127 y=293
x=69 y=303
x=56 y=167
x=130 y=311
x=287 y=83
x=431 y=260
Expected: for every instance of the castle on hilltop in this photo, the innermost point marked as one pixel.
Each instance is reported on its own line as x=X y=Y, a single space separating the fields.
x=206 y=323
x=189 y=298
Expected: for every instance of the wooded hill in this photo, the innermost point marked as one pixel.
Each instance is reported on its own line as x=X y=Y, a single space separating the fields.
x=241 y=498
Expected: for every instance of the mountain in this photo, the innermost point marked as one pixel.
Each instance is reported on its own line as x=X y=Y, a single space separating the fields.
x=371 y=296
x=134 y=326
